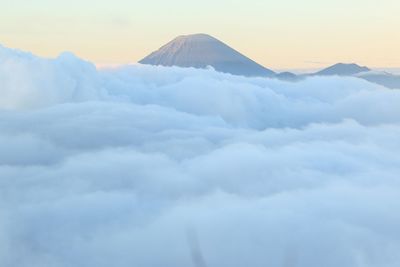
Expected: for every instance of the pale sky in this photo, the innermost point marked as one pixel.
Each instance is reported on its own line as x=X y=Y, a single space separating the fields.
x=278 y=34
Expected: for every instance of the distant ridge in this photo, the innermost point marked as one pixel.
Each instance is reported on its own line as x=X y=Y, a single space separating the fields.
x=202 y=50
x=342 y=69
x=382 y=78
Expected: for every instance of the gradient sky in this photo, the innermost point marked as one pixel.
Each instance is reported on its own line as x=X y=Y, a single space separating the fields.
x=278 y=34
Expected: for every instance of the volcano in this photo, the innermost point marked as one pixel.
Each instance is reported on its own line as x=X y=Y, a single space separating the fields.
x=201 y=51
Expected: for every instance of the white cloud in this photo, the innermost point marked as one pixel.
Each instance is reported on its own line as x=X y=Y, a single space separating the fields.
x=111 y=167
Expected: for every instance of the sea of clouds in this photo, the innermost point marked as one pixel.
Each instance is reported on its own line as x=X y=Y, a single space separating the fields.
x=167 y=167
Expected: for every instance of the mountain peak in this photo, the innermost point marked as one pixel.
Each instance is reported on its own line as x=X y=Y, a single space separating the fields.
x=202 y=50
x=196 y=36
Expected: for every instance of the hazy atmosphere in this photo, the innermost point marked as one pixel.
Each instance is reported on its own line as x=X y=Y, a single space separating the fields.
x=278 y=34
x=165 y=134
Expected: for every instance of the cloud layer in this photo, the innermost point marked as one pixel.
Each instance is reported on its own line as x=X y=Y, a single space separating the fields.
x=139 y=165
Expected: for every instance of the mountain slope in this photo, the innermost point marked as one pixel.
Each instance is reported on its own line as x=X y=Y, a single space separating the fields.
x=202 y=50
x=382 y=78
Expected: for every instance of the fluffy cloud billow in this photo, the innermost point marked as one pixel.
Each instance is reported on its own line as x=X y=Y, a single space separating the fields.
x=170 y=167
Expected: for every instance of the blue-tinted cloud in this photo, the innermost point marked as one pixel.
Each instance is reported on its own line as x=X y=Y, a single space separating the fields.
x=111 y=167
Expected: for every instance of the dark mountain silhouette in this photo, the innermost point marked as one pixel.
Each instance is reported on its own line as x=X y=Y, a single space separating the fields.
x=288 y=76
x=382 y=78
x=342 y=69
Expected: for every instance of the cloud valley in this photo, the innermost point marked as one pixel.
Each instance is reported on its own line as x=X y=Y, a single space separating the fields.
x=110 y=167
